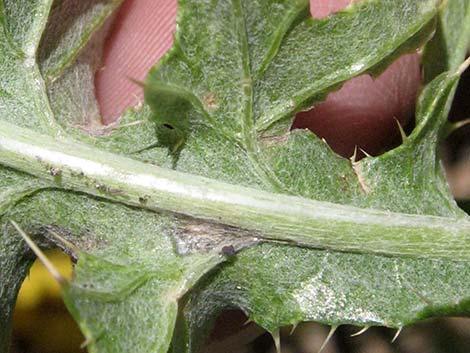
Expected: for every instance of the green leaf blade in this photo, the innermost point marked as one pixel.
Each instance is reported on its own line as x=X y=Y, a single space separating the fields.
x=330 y=51
x=335 y=232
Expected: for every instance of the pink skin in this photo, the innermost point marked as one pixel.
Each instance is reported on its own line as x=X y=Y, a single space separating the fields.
x=363 y=112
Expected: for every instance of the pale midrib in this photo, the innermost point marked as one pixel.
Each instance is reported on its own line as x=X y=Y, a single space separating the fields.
x=42 y=103
x=297 y=220
x=282 y=29
x=250 y=138
x=37 y=28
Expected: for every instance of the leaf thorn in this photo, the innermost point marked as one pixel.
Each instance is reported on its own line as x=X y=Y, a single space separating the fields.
x=354 y=156
x=139 y=102
x=89 y=339
x=402 y=132
x=396 y=335
x=86 y=343
x=365 y=153
x=247 y=322
x=450 y=127
x=146 y=148
x=277 y=340
x=294 y=326
x=132 y=123
x=328 y=338
x=40 y=255
x=137 y=82
x=464 y=66
x=68 y=245
x=360 y=332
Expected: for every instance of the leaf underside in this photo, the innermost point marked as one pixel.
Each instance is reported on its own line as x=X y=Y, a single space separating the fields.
x=220 y=105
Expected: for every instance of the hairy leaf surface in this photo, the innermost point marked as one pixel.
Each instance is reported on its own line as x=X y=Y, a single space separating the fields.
x=232 y=209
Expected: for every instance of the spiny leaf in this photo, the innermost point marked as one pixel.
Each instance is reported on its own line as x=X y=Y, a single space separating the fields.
x=334 y=285
x=222 y=100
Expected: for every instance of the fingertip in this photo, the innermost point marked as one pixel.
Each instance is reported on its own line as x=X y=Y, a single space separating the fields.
x=364 y=111
x=142 y=33
x=323 y=8
x=361 y=113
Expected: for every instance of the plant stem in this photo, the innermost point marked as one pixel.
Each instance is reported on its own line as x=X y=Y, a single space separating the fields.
x=74 y=166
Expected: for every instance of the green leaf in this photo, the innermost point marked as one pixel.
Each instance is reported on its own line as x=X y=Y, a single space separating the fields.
x=22 y=90
x=71 y=47
x=449 y=45
x=317 y=237
x=340 y=290
x=127 y=270
x=70 y=27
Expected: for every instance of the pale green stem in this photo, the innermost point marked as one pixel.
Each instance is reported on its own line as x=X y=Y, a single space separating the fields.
x=74 y=166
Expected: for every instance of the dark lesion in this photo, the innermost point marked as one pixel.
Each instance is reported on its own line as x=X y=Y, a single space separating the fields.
x=68 y=241
x=195 y=235
x=275 y=140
